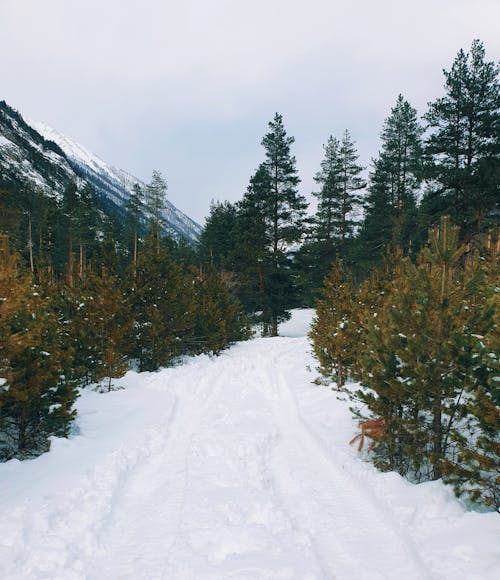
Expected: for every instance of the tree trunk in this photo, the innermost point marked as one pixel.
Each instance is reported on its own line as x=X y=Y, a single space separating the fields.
x=30 y=244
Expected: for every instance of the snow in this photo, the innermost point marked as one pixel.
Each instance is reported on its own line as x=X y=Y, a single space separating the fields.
x=114 y=183
x=235 y=467
x=4 y=142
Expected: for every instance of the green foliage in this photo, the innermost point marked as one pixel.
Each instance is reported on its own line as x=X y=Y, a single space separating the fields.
x=463 y=148
x=155 y=201
x=334 y=330
x=217 y=240
x=218 y=317
x=38 y=390
x=162 y=306
x=425 y=351
x=252 y=238
x=391 y=204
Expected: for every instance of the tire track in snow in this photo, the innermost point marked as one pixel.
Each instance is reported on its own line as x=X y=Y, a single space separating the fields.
x=277 y=505
x=145 y=522
x=63 y=540
x=353 y=537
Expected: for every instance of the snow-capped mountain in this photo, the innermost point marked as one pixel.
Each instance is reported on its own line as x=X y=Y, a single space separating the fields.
x=114 y=183
x=26 y=158
x=34 y=153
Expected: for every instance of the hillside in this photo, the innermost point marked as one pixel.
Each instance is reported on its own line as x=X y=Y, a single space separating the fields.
x=34 y=155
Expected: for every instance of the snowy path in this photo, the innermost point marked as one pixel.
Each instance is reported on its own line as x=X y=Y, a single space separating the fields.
x=217 y=469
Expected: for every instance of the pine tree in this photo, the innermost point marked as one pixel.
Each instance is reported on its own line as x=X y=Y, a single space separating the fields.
x=37 y=391
x=420 y=365
x=391 y=204
x=218 y=317
x=134 y=219
x=163 y=308
x=284 y=216
x=325 y=223
x=216 y=244
x=70 y=204
x=156 y=203
x=334 y=330
x=99 y=324
x=252 y=246
x=464 y=145
x=349 y=199
x=474 y=469
x=285 y=207
x=377 y=228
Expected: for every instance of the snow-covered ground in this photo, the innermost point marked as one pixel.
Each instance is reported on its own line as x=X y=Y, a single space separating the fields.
x=230 y=467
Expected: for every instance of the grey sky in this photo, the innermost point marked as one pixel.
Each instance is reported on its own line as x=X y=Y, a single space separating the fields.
x=188 y=86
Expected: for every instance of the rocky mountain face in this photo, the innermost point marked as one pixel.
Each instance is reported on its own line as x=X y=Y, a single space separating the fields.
x=33 y=154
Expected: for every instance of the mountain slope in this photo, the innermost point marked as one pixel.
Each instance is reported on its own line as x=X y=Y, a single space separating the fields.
x=28 y=158
x=35 y=155
x=114 y=183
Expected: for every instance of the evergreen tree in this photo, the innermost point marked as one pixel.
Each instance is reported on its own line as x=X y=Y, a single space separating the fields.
x=217 y=240
x=419 y=366
x=37 y=389
x=377 y=228
x=391 y=205
x=86 y=223
x=134 y=219
x=156 y=203
x=218 y=317
x=334 y=330
x=348 y=199
x=285 y=207
x=70 y=203
x=99 y=323
x=252 y=251
x=163 y=308
x=325 y=222
x=474 y=469
x=284 y=216
x=464 y=144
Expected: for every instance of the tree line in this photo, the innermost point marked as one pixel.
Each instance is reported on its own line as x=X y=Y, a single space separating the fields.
x=403 y=269
x=422 y=339
x=83 y=298
x=446 y=163
x=84 y=295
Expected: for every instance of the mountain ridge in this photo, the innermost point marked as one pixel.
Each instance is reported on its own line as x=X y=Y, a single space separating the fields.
x=32 y=152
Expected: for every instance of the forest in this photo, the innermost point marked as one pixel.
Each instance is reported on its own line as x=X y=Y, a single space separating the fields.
x=401 y=264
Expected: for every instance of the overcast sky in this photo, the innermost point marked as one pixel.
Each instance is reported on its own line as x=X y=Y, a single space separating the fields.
x=188 y=86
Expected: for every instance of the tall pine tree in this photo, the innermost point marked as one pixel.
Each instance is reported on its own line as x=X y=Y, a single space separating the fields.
x=285 y=213
x=463 y=147
x=391 y=204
